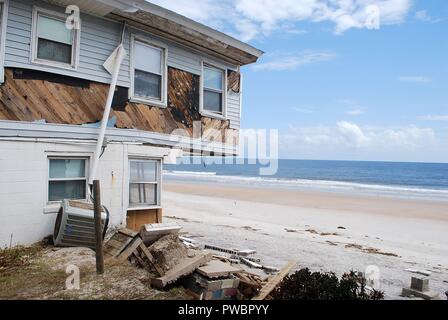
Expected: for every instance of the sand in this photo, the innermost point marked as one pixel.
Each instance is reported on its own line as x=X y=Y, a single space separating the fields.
x=324 y=231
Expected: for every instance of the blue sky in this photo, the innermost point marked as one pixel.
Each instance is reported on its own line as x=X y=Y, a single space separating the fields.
x=348 y=79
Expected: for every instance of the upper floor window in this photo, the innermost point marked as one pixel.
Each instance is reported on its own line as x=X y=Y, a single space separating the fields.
x=67 y=179
x=54 y=43
x=213 y=90
x=148 y=73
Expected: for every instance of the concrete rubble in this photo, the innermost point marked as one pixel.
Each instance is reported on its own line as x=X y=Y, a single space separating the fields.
x=420 y=289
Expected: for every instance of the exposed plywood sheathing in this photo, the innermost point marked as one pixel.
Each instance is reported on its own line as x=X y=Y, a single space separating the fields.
x=137 y=218
x=233 y=81
x=33 y=100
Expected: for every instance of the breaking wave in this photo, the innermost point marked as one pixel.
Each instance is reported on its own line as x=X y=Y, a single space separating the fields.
x=307 y=184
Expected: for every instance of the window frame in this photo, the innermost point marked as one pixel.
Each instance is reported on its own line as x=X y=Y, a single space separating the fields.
x=4 y=6
x=202 y=110
x=76 y=40
x=163 y=102
x=159 y=169
x=86 y=159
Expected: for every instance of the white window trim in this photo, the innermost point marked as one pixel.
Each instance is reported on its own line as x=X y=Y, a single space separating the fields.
x=207 y=113
x=163 y=103
x=63 y=157
x=3 y=26
x=159 y=184
x=34 y=41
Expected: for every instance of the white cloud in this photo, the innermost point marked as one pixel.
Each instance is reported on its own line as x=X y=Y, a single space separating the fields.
x=354 y=109
x=422 y=15
x=431 y=117
x=417 y=79
x=352 y=133
x=306 y=110
x=355 y=112
x=248 y=19
x=348 y=140
x=280 y=62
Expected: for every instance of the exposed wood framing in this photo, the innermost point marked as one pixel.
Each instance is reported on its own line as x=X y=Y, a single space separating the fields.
x=60 y=103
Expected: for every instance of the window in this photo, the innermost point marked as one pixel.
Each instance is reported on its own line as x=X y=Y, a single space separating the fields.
x=213 y=88
x=67 y=179
x=144 y=183
x=149 y=73
x=54 y=43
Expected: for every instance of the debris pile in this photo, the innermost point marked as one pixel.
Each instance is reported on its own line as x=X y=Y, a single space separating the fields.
x=170 y=258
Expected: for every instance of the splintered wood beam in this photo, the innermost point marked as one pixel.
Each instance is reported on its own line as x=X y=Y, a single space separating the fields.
x=130 y=250
x=275 y=281
x=150 y=258
x=128 y=232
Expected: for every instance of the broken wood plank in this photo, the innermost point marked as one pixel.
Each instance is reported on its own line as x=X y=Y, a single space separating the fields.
x=116 y=244
x=150 y=258
x=128 y=232
x=182 y=269
x=130 y=249
x=274 y=281
x=216 y=269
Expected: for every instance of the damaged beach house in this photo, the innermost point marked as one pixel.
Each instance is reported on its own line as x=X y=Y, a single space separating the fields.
x=106 y=90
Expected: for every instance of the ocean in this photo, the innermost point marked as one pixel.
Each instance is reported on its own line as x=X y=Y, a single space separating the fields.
x=393 y=179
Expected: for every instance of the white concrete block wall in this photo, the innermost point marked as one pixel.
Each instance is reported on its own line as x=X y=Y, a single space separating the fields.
x=24 y=212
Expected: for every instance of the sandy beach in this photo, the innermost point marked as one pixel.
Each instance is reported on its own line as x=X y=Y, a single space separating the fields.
x=323 y=231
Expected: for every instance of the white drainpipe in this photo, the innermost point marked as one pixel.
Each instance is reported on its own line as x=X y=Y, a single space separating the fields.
x=112 y=65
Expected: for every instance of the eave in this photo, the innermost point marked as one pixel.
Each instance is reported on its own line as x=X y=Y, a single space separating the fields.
x=162 y=22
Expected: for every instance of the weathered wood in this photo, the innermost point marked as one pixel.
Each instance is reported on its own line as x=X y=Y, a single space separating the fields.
x=274 y=281
x=118 y=243
x=233 y=81
x=183 y=268
x=31 y=100
x=115 y=244
x=127 y=232
x=98 y=230
x=130 y=249
x=150 y=258
x=217 y=269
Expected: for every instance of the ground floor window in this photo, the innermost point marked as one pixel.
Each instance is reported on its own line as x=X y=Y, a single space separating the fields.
x=144 y=183
x=67 y=179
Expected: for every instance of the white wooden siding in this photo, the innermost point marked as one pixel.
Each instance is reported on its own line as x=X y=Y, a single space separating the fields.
x=99 y=37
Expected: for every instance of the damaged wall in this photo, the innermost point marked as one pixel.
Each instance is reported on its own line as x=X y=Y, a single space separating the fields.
x=99 y=38
x=29 y=95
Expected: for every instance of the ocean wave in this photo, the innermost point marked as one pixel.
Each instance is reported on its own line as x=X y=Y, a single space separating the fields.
x=306 y=183
x=188 y=173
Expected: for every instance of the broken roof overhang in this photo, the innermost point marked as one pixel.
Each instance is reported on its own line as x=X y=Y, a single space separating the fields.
x=170 y=25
